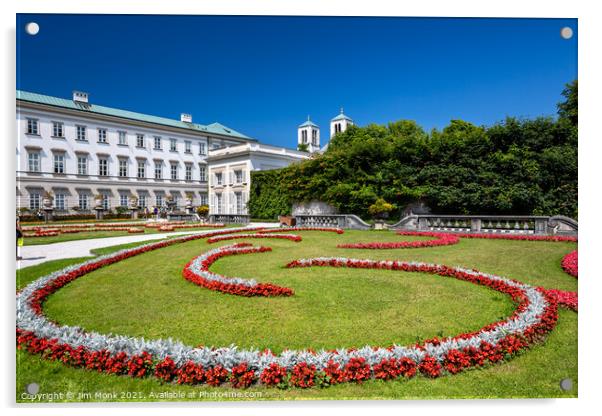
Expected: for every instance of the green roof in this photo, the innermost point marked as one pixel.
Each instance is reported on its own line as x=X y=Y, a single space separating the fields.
x=308 y=123
x=215 y=128
x=341 y=117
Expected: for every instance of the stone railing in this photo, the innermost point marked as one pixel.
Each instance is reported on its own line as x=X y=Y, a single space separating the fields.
x=229 y=218
x=332 y=221
x=509 y=224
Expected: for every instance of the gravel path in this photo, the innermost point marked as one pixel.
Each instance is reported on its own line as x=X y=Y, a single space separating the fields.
x=33 y=255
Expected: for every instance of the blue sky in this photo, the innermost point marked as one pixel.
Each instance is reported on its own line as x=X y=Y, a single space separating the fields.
x=263 y=75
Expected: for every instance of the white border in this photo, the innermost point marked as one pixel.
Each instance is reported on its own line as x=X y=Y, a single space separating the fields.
x=590 y=68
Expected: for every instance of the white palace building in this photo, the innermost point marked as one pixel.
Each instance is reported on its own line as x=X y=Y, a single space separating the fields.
x=82 y=153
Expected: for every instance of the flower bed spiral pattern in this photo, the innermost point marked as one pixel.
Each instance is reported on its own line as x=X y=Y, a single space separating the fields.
x=197 y=272
x=325 y=229
x=172 y=361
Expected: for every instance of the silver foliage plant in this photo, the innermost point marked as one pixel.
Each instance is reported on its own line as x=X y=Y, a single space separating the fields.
x=230 y=356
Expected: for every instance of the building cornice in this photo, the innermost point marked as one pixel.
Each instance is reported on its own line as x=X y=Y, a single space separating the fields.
x=128 y=121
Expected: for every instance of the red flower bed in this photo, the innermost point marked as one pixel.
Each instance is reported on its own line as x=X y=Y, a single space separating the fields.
x=326 y=229
x=441 y=239
x=199 y=276
x=570 y=263
x=565 y=298
x=522 y=237
x=291 y=237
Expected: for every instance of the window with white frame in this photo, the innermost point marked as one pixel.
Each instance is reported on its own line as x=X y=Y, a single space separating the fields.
x=159 y=200
x=82 y=165
x=123 y=168
x=158 y=169
x=123 y=138
x=314 y=137
x=58 y=129
x=187 y=147
x=202 y=149
x=34 y=201
x=81 y=133
x=204 y=199
x=142 y=201
x=102 y=135
x=59 y=201
x=33 y=161
x=83 y=201
x=174 y=171
x=123 y=200
x=103 y=166
x=188 y=172
x=173 y=145
x=218 y=203
x=157 y=142
x=239 y=202
x=32 y=126
x=203 y=173
x=139 y=140
x=59 y=163
x=238 y=176
x=304 y=136
x=219 y=178
x=141 y=169
x=106 y=204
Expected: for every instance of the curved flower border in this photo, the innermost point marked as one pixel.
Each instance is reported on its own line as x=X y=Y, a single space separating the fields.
x=291 y=237
x=440 y=239
x=197 y=272
x=170 y=360
x=570 y=263
x=325 y=229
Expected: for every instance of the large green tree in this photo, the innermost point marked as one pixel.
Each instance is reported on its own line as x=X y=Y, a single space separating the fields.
x=517 y=166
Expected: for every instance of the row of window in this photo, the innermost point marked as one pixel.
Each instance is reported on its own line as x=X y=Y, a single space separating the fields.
x=238 y=177
x=238 y=203
x=34 y=165
x=81 y=134
x=60 y=201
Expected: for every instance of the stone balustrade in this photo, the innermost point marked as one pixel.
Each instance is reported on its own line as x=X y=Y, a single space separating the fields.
x=229 y=218
x=508 y=224
x=331 y=221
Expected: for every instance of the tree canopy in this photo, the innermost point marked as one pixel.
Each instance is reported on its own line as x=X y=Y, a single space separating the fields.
x=517 y=166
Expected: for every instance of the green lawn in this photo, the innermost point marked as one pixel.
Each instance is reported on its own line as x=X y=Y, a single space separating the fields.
x=147 y=296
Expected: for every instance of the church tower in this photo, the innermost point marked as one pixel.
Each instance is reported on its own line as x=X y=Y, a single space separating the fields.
x=339 y=124
x=308 y=134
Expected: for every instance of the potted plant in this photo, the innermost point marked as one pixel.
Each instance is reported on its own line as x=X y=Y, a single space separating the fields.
x=203 y=210
x=380 y=212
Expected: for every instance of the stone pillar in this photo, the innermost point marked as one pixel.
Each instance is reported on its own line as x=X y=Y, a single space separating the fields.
x=134 y=213
x=541 y=226
x=48 y=214
x=422 y=224
x=99 y=213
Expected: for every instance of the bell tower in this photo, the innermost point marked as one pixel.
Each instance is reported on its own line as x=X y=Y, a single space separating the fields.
x=340 y=123
x=308 y=134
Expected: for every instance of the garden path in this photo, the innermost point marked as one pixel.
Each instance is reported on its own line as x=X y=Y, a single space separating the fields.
x=37 y=254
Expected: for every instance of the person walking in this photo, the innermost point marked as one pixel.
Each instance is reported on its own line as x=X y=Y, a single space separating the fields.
x=19 y=238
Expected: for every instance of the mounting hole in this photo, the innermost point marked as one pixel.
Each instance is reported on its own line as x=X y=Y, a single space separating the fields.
x=566 y=32
x=32 y=28
x=566 y=384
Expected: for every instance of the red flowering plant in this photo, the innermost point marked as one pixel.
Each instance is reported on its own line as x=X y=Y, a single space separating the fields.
x=534 y=317
x=570 y=263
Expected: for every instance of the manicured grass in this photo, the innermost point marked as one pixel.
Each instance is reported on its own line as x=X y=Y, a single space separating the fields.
x=147 y=296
